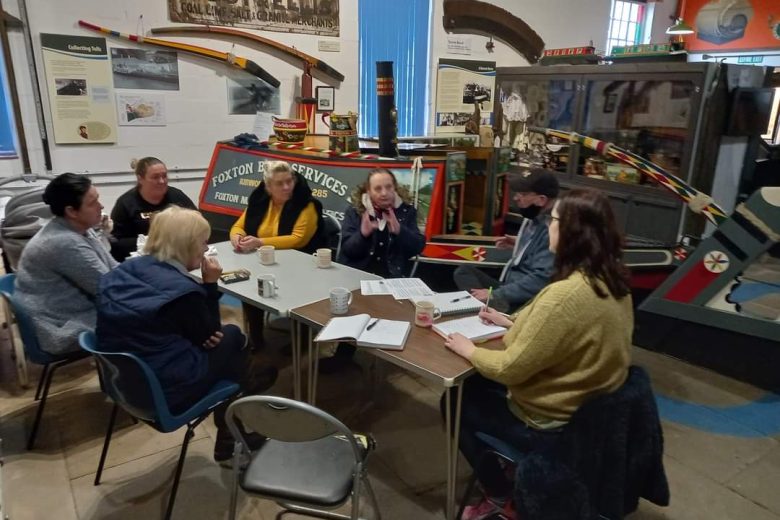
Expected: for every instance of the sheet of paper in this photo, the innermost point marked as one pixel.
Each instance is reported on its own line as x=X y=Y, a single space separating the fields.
x=471 y=327
x=403 y=288
x=264 y=125
x=400 y=288
x=374 y=287
x=387 y=333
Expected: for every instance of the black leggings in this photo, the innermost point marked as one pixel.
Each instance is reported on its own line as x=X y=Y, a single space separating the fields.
x=228 y=360
x=485 y=409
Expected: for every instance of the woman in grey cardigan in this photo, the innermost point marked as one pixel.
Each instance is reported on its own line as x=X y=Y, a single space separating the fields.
x=59 y=269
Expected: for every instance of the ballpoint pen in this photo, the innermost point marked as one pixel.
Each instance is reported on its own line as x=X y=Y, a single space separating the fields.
x=371 y=325
x=487 y=303
x=461 y=298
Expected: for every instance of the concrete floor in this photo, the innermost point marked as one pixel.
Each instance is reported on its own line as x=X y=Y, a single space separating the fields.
x=713 y=475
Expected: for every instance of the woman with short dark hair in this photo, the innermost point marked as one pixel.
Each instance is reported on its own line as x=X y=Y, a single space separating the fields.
x=134 y=208
x=59 y=269
x=569 y=344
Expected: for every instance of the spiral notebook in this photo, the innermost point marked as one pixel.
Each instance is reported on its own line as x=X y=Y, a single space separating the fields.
x=366 y=331
x=458 y=302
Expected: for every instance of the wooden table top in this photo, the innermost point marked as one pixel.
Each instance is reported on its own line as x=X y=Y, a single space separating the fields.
x=424 y=352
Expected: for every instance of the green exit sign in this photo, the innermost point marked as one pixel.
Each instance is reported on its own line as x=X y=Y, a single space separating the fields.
x=750 y=59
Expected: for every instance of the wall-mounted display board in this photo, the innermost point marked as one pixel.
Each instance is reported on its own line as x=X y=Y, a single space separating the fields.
x=305 y=16
x=460 y=84
x=732 y=25
x=78 y=78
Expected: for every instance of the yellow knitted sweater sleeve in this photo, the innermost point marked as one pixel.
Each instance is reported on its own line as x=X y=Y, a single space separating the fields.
x=537 y=340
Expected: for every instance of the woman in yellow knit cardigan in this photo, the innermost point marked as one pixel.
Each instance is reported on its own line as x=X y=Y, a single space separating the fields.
x=569 y=344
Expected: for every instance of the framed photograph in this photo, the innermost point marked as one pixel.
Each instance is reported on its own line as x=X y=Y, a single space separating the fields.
x=326 y=98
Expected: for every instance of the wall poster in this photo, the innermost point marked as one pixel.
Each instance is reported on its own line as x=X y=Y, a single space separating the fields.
x=732 y=25
x=461 y=84
x=319 y=17
x=78 y=78
x=145 y=69
x=140 y=109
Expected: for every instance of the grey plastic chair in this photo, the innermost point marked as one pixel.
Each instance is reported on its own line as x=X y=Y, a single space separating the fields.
x=311 y=463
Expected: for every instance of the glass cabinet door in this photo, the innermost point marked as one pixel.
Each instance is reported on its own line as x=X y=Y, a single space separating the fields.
x=652 y=119
x=542 y=102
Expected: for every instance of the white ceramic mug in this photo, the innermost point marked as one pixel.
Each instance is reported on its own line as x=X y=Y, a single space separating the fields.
x=322 y=257
x=340 y=300
x=266 y=285
x=267 y=255
x=425 y=313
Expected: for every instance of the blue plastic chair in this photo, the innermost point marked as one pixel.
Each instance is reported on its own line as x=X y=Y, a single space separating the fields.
x=34 y=353
x=132 y=386
x=6 y=290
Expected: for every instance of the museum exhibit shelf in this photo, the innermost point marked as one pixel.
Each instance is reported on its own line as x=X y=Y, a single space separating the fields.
x=668 y=113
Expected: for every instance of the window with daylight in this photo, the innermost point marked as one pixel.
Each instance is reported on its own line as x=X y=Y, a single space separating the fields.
x=626 y=22
x=8 y=143
x=397 y=31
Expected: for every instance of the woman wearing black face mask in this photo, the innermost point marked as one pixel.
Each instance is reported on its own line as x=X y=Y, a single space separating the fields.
x=531 y=265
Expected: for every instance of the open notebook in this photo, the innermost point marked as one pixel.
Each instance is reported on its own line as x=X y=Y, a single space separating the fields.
x=387 y=334
x=458 y=302
x=471 y=327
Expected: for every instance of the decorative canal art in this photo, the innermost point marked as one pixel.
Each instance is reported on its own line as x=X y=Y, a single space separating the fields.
x=235 y=172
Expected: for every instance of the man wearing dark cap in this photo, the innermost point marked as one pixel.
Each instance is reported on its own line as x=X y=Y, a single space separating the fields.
x=531 y=266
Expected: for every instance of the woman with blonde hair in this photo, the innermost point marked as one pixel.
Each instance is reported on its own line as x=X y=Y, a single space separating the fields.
x=134 y=208
x=150 y=306
x=281 y=212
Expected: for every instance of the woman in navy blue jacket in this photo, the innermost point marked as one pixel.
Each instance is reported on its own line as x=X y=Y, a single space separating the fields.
x=379 y=235
x=380 y=232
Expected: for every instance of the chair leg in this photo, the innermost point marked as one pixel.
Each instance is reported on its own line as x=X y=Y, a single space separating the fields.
x=106 y=442
x=40 y=382
x=47 y=375
x=187 y=436
x=356 y=499
x=237 y=452
x=467 y=495
x=372 y=497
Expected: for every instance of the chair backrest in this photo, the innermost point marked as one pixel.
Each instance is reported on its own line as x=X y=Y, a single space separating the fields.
x=131 y=384
x=32 y=348
x=332 y=234
x=609 y=455
x=25 y=215
x=7 y=282
x=285 y=420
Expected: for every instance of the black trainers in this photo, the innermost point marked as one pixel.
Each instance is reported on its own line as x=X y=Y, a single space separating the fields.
x=259 y=378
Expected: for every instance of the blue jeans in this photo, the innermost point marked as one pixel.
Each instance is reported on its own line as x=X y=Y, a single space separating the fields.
x=485 y=409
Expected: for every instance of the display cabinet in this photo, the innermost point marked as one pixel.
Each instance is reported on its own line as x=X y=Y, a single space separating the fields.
x=669 y=113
